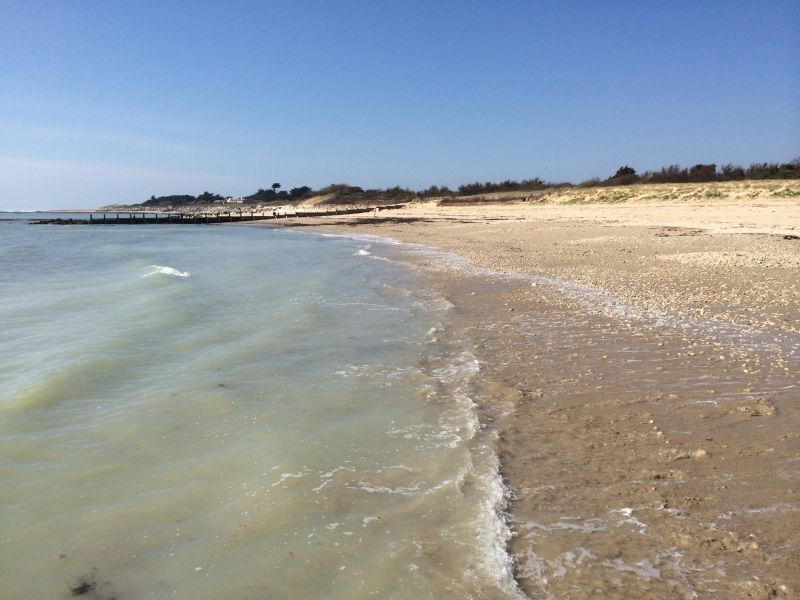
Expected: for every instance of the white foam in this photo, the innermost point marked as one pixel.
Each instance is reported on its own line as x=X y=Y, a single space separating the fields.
x=330 y=474
x=461 y=424
x=321 y=486
x=496 y=562
x=286 y=476
x=627 y=518
x=363 y=486
x=564 y=523
x=172 y=272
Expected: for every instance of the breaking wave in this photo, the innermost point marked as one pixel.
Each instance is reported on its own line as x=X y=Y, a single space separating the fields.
x=172 y=272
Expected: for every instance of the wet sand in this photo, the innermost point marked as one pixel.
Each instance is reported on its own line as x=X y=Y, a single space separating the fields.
x=640 y=364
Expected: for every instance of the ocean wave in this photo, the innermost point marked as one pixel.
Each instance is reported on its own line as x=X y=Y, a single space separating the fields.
x=75 y=381
x=172 y=272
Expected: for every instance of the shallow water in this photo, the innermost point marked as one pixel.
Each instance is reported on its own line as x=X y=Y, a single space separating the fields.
x=648 y=458
x=207 y=412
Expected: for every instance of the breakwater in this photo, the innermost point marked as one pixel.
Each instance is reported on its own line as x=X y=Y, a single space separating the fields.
x=144 y=218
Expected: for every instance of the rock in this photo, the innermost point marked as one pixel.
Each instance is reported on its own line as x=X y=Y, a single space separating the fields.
x=762 y=408
x=700 y=453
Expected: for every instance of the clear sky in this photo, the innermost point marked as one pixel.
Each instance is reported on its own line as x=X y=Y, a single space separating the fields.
x=105 y=102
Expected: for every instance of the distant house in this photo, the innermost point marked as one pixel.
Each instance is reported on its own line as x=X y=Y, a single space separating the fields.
x=230 y=200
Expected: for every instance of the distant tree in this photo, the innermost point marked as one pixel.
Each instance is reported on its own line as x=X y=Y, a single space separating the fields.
x=435 y=191
x=299 y=192
x=208 y=198
x=790 y=170
x=170 y=200
x=276 y=186
x=670 y=174
x=262 y=195
x=623 y=171
x=702 y=173
x=470 y=189
x=341 y=188
x=624 y=176
x=732 y=172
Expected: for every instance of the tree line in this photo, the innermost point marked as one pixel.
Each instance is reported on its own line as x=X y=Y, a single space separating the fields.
x=342 y=193
x=701 y=173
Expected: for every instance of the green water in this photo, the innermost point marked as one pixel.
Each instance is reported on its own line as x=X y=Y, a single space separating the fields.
x=232 y=412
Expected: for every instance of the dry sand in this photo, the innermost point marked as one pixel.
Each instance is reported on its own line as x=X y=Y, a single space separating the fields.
x=640 y=365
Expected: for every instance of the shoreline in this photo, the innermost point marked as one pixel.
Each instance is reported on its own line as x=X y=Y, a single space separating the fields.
x=730 y=262
x=646 y=460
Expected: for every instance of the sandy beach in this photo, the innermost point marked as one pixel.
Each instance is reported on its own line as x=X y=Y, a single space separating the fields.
x=639 y=364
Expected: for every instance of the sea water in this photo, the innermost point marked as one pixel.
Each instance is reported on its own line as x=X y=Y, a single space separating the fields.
x=235 y=412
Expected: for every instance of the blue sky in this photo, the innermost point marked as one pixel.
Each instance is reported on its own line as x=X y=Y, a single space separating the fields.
x=106 y=102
